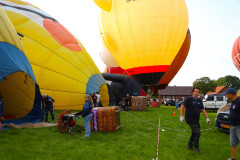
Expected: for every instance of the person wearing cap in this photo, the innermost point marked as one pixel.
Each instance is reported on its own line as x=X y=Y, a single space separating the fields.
x=48 y=101
x=193 y=106
x=231 y=94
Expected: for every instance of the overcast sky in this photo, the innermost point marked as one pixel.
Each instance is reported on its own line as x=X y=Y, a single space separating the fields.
x=214 y=26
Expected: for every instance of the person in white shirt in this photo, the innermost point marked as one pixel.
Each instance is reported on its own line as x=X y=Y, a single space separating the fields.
x=98 y=98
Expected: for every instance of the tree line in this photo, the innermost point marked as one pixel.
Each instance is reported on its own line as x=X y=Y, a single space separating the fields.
x=205 y=84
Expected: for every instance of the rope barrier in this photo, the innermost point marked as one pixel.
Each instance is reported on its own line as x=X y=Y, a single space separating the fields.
x=158 y=136
x=173 y=129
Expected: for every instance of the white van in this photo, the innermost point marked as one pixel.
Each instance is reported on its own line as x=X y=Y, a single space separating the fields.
x=214 y=101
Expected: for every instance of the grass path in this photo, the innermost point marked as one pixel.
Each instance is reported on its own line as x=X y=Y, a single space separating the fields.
x=134 y=141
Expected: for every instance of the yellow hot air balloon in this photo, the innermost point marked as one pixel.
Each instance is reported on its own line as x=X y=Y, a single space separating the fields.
x=62 y=66
x=18 y=87
x=107 y=58
x=143 y=36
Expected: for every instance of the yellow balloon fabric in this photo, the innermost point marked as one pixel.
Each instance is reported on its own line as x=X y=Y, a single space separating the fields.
x=17 y=82
x=104 y=4
x=144 y=36
x=62 y=66
x=8 y=33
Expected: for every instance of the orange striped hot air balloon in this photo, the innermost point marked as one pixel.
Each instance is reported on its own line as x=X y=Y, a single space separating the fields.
x=175 y=65
x=236 y=53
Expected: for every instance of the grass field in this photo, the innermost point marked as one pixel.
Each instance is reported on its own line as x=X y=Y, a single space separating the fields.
x=134 y=141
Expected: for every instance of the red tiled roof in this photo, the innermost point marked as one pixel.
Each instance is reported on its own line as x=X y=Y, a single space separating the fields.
x=219 y=89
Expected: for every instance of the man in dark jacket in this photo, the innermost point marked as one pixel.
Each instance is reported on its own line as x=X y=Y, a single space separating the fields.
x=48 y=102
x=231 y=94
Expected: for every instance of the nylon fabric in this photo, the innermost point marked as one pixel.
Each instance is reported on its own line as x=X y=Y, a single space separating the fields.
x=21 y=96
x=144 y=32
x=62 y=66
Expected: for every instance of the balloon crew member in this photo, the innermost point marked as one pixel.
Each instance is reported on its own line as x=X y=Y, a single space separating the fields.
x=98 y=98
x=177 y=102
x=127 y=101
x=193 y=106
x=1 y=112
x=48 y=101
x=87 y=114
x=94 y=99
x=231 y=94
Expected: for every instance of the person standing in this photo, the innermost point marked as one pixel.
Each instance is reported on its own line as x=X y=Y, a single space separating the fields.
x=87 y=114
x=98 y=98
x=94 y=99
x=231 y=94
x=1 y=112
x=193 y=106
x=48 y=101
x=127 y=101
x=177 y=103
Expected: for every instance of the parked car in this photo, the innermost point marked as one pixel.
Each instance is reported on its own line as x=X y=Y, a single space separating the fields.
x=222 y=120
x=214 y=101
x=170 y=103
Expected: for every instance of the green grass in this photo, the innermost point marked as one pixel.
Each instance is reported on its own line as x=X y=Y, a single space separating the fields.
x=135 y=140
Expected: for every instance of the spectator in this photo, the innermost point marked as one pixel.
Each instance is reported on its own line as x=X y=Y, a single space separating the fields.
x=231 y=94
x=98 y=98
x=127 y=100
x=87 y=114
x=94 y=99
x=177 y=103
x=48 y=102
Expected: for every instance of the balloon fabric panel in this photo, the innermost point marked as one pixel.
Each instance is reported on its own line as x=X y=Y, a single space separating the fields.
x=61 y=64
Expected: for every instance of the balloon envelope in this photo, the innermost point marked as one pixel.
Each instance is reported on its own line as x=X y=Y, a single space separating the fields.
x=177 y=62
x=18 y=87
x=144 y=36
x=114 y=70
x=236 y=53
x=108 y=59
x=62 y=66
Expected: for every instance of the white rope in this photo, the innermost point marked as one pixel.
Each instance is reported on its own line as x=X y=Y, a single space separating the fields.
x=147 y=122
x=158 y=137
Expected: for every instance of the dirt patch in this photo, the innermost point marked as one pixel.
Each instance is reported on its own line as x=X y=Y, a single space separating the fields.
x=30 y=125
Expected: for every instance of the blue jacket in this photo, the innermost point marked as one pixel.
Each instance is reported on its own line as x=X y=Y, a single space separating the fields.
x=87 y=109
x=48 y=103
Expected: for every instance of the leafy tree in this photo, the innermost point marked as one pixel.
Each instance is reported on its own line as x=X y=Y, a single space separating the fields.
x=205 y=84
x=229 y=81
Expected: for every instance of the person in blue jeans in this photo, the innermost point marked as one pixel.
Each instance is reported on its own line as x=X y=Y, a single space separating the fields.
x=177 y=102
x=48 y=101
x=87 y=114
